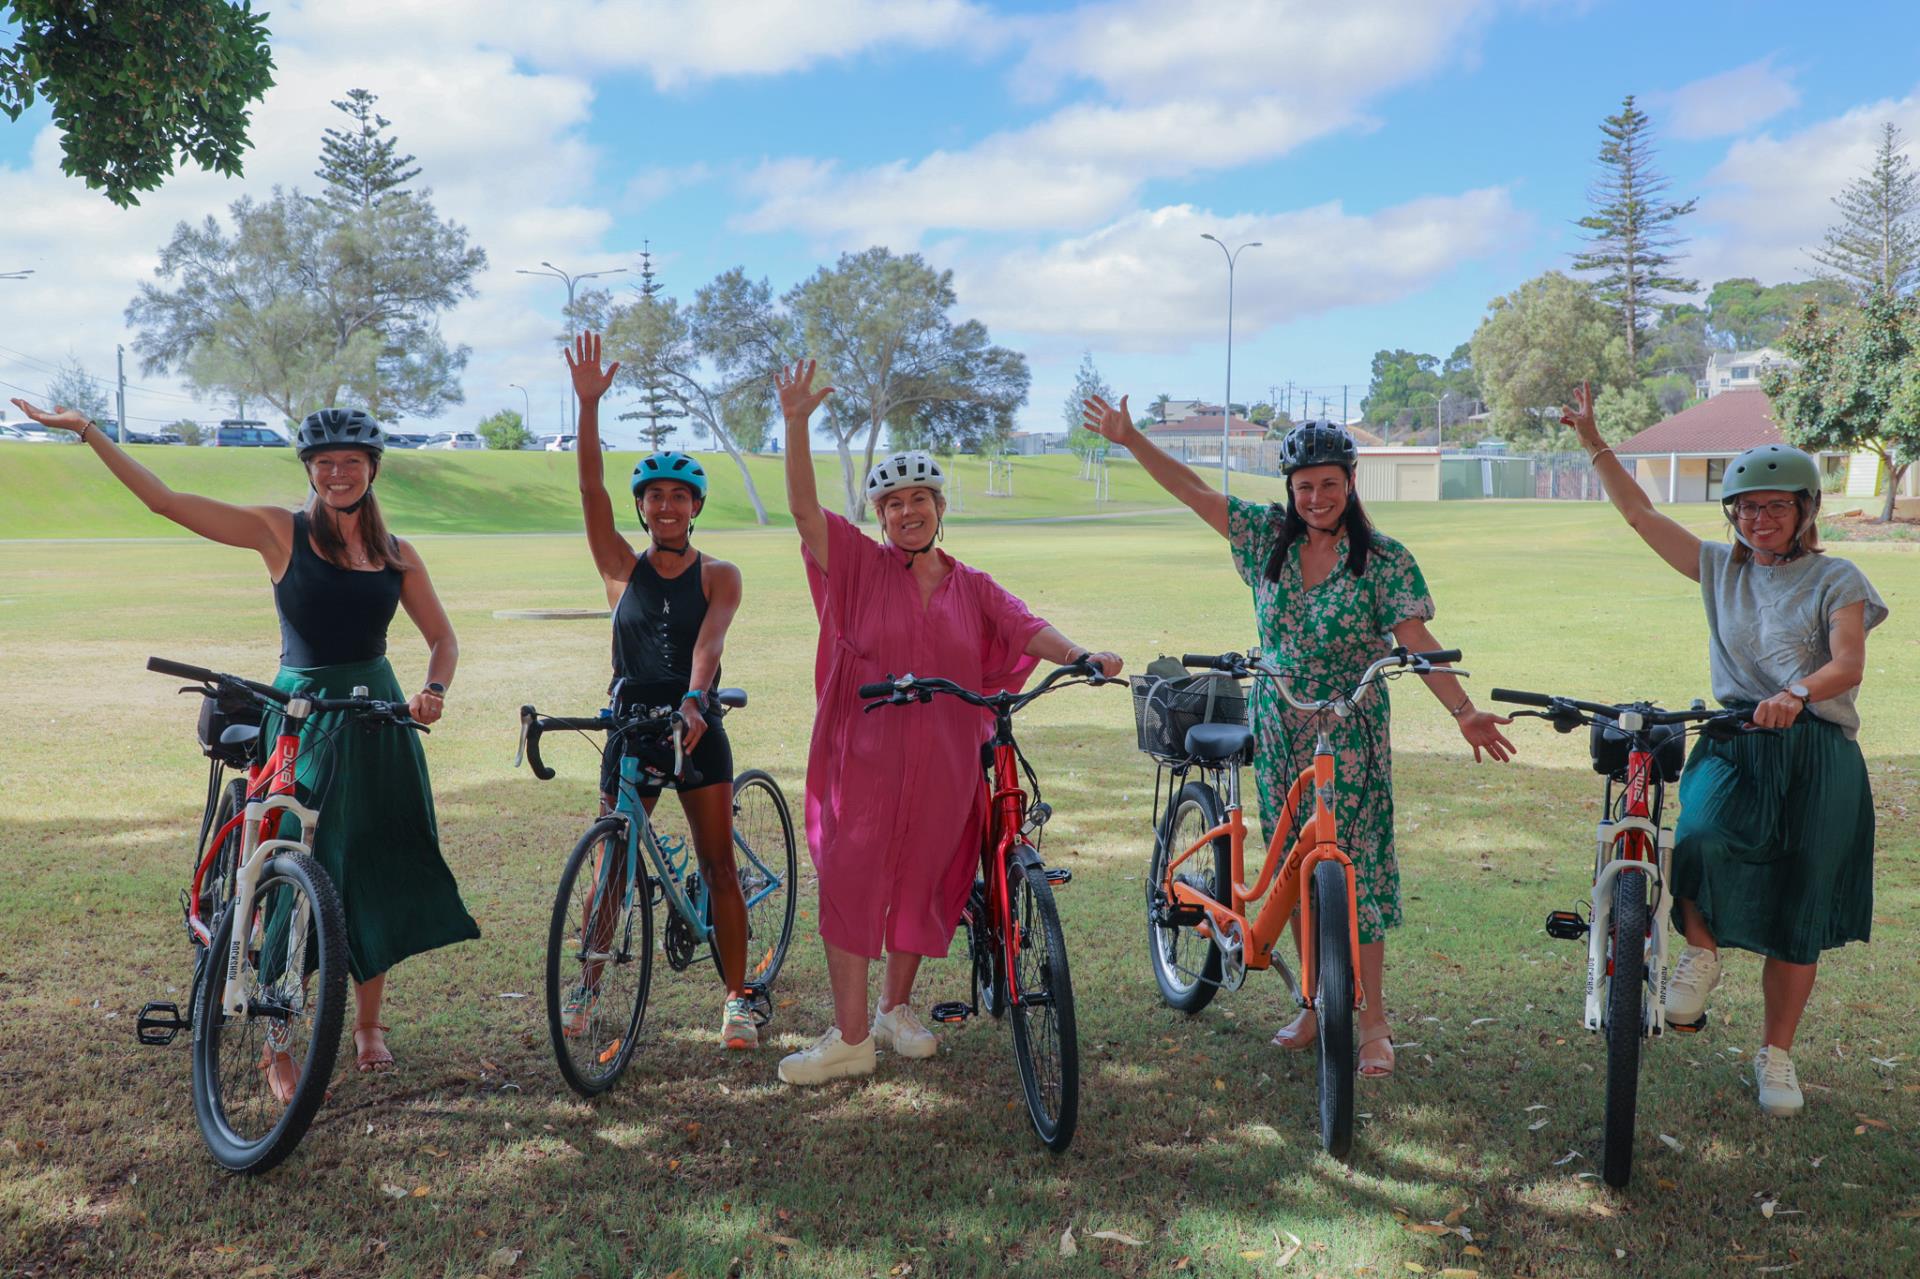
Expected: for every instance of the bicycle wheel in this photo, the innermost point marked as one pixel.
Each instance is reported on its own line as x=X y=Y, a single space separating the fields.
x=1045 y=1043
x=1626 y=987
x=983 y=947
x=1186 y=965
x=293 y=968
x=769 y=868
x=216 y=886
x=599 y=960
x=1333 y=1006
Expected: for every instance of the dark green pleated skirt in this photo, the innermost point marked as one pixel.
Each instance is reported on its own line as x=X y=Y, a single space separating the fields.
x=1775 y=841
x=377 y=837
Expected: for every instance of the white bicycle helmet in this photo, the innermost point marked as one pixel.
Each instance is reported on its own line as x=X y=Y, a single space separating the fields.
x=914 y=468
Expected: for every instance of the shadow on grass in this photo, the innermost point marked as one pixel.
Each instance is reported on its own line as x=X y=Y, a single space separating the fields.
x=1195 y=1136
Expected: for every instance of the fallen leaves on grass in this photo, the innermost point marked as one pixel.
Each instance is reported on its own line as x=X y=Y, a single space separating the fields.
x=1067 y=1246
x=1120 y=1237
x=1672 y=1143
x=501 y=1260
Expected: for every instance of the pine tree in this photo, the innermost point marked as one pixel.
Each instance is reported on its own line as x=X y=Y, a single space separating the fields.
x=1631 y=226
x=1876 y=243
x=358 y=164
x=1087 y=383
x=657 y=404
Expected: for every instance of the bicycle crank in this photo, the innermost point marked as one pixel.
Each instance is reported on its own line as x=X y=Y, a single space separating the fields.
x=1232 y=942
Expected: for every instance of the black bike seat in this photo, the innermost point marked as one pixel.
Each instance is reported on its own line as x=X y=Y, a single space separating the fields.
x=1216 y=743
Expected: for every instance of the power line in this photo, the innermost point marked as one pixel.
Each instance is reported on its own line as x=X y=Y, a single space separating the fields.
x=50 y=367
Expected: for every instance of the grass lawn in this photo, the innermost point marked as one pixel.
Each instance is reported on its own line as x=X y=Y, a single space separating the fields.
x=1196 y=1139
x=47 y=491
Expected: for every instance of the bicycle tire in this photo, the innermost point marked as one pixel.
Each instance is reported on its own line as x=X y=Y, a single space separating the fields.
x=783 y=861
x=1626 y=987
x=220 y=1095
x=1333 y=1006
x=989 y=985
x=1045 y=1039
x=1183 y=987
x=216 y=886
x=604 y=1059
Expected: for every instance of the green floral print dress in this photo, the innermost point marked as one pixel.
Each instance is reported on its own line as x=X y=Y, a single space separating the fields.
x=1329 y=635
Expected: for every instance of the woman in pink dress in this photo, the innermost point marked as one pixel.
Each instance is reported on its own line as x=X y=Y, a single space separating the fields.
x=895 y=803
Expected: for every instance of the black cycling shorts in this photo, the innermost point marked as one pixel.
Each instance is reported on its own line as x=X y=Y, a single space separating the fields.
x=712 y=759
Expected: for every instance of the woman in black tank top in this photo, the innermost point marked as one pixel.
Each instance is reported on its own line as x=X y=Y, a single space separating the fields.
x=671 y=609
x=338 y=578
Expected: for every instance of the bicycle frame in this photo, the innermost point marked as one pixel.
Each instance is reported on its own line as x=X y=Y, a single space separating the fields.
x=1285 y=870
x=1000 y=852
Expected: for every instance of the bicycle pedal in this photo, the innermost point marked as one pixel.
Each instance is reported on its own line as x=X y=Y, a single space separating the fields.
x=159 y=1023
x=1688 y=1027
x=1565 y=925
x=1059 y=876
x=952 y=1011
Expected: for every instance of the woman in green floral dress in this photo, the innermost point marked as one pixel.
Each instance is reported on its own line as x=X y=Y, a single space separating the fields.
x=1328 y=592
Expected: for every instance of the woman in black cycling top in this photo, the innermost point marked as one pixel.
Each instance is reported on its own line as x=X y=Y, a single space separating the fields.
x=338 y=578
x=671 y=609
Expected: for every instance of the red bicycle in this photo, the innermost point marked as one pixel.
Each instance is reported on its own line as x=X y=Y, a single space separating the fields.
x=268 y=933
x=1014 y=939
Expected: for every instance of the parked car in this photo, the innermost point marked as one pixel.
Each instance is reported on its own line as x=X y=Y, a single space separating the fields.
x=455 y=440
x=244 y=437
x=34 y=433
x=399 y=440
x=12 y=434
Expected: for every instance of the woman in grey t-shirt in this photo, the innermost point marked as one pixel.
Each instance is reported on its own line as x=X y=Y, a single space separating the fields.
x=1774 y=847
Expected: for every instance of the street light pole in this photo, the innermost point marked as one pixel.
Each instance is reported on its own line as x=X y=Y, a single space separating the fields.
x=527 y=401
x=1226 y=407
x=16 y=275
x=569 y=281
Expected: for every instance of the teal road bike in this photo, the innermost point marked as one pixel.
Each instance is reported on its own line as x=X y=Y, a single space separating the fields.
x=600 y=943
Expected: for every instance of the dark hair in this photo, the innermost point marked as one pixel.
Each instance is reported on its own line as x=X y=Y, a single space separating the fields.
x=382 y=549
x=1292 y=528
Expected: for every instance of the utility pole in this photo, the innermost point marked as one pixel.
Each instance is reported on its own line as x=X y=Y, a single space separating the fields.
x=1343 y=404
x=120 y=397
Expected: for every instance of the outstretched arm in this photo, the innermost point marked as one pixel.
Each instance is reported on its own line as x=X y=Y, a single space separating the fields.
x=798 y=400
x=612 y=554
x=1175 y=476
x=1480 y=728
x=1669 y=540
x=265 y=529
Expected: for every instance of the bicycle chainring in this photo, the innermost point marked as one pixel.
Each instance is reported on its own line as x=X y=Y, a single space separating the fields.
x=679 y=943
x=1232 y=941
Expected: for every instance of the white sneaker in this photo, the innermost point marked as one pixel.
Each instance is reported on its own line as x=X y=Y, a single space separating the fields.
x=1777 y=1082
x=831 y=1057
x=1694 y=977
x=898 y=1031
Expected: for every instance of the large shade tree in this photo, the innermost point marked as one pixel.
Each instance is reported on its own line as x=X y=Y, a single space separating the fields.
x=137 y=85
x=1538 y=342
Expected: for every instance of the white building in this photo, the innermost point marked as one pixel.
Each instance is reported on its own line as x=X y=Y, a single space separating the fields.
x=1739 y=370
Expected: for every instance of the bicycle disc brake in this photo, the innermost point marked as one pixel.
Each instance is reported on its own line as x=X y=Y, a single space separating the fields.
x=1232 y=941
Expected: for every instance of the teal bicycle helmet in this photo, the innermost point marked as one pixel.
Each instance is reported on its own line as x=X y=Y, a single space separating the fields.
x=671 y=465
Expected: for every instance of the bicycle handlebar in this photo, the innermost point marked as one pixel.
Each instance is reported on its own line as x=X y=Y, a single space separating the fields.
x=1648 y=712
x=201 y=674
x=1244 y=666
x=882 y=689
x=533 y=724
x=911 y=687
x=369 y=708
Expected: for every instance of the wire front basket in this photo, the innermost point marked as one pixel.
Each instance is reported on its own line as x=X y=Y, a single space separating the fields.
x=1164 y=709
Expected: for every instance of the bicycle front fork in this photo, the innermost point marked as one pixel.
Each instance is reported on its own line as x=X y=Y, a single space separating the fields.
x=1607 y=870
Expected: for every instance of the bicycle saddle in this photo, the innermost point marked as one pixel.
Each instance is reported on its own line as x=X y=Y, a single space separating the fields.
x=1217 y=743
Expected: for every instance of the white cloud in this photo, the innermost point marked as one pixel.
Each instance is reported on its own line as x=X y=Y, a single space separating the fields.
x=1148 y=282
x=1728 y=103
x=1771 y=198
x=1198 y=87
x=674 y=42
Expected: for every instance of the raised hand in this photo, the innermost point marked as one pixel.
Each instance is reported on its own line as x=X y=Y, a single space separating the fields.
x=798 y=399
x=1579 y=416
x=1105 y=420
x=60 y=419
x=583 y=361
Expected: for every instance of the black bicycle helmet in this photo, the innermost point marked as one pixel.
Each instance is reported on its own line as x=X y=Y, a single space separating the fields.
x=1318 y=442
x=337 y=429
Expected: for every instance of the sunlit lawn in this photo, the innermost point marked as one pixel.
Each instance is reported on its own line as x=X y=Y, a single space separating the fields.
x=1196 y=1138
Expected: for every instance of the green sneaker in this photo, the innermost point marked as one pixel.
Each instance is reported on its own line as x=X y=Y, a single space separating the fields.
x=737 y=1029
x=576 y=1013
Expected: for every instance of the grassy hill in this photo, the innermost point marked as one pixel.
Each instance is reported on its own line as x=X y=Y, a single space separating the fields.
x=65 y=492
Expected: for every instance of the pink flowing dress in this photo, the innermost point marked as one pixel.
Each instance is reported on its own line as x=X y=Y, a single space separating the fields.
x=896 y=800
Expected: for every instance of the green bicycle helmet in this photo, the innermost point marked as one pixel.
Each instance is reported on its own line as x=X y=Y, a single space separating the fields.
x=1775 y=467
x=670 y=465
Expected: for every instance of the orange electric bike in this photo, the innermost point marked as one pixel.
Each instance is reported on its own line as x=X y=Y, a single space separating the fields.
x=1200 y=935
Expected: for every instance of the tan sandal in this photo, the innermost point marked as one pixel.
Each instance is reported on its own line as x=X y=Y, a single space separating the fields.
x=1298 y=1035
x=282 y=1075
x=371 y=1057
x=1380 y=1064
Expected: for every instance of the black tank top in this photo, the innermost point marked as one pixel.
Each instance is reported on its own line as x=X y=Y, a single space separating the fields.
x=655 y=628
x=329 y=615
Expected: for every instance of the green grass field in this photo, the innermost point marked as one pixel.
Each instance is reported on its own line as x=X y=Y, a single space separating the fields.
x=1196 y=1139
x=65 y=492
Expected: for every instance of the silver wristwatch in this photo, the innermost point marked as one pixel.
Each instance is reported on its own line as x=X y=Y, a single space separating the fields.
x=1799 y=691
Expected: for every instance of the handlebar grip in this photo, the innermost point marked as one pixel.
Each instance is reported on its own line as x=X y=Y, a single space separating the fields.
x=1441 y=655
x=181 y=669
x=1520 y=698
x=1200 y=659
x=531 y=721
x=882 y=689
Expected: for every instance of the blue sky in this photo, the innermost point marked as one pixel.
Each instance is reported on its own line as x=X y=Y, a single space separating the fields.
x=1402 y=163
